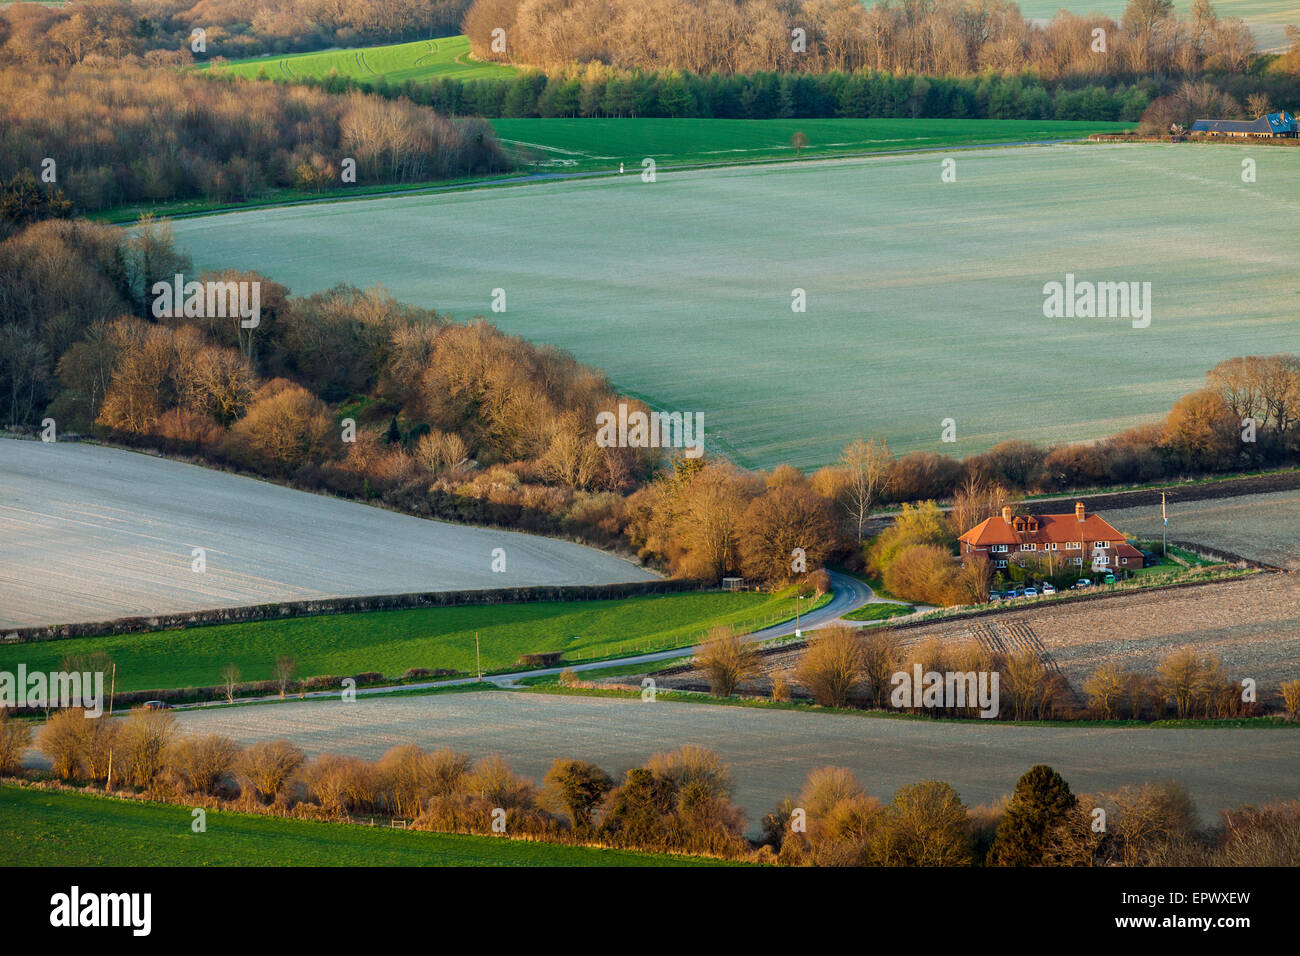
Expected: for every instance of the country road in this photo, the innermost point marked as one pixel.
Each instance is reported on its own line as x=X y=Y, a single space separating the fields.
x=771 y=751
x=90 y=533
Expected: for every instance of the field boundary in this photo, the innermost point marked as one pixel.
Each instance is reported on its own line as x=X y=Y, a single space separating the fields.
x=345 y=605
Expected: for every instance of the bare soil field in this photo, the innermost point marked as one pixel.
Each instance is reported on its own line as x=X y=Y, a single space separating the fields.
x=89 y=533
x=1259 y=527
x=1251 y=624
x=770 y=752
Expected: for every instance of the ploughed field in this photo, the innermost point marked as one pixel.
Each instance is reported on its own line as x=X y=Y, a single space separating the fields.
x=1262 y=528
x=1251 y=624
x=924 y=299
x=89 y=533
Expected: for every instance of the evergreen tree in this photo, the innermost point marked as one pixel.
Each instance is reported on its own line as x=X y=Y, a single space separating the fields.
x=1041 y=802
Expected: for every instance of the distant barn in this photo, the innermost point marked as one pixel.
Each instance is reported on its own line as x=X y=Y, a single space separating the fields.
x=1274 y=124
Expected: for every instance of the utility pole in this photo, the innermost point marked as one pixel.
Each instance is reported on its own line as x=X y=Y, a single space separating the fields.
x=478 y=658
x=112 y=691
x=1164 y=527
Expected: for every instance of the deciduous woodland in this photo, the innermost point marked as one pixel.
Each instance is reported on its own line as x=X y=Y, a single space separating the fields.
x=941 y=38
x=458 y=420
x=35 y=33
x=124 y=133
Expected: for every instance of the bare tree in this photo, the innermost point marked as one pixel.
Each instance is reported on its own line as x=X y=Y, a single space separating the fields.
x=726 y=658
x=285 y=667
x=867 y=465
x=230 y=677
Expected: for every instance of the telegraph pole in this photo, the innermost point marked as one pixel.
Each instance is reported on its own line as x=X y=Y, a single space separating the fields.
x=1164 y=528
x=478 y=658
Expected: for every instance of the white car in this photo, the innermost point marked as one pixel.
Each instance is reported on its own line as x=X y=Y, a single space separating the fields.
x=1048 y=589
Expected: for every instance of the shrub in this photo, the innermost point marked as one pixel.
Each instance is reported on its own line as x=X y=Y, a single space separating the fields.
x=832 y=665
x=266 y=767
x=204 y=763
x=726 y=658
x=146 y=738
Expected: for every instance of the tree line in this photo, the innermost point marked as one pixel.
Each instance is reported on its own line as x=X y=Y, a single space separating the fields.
x=842 y=666
x=938 y=38
x=32 y=33
x=677 y=801
x=610 y=92
x=121 y=132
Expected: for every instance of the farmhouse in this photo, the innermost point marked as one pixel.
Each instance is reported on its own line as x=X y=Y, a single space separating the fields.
x=1068 y=539
x=1274 y=124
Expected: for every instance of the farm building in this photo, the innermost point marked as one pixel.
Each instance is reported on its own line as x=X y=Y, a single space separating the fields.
x=1274 y=124
x=1072 y=538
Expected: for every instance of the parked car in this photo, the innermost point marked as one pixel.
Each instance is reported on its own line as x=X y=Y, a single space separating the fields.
x=1083 y=583
x=1108 y=579
x=1048 y=589
x=1031 y=592
x=995 y=595
x=156 y=705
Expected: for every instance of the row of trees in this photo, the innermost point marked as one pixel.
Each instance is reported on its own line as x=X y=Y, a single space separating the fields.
x=842 y=666
x=681 y=801
x=596 y=90
x=118 y=132
x=942 y=38
x=33 y=33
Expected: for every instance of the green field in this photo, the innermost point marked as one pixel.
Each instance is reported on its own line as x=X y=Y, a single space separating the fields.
x=419 y=60
x=390 y=642
x=600 y=144
x=57 y=828
x=924 y=298
x=878 y=611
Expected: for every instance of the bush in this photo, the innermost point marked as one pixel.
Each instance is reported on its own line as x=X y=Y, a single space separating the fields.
x=726 y=658
x=265 y=768
x=832 y=665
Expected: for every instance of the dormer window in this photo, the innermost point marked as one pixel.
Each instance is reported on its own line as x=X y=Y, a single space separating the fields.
x=1033 y=525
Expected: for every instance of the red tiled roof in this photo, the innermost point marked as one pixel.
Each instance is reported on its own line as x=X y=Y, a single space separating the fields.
x=1058 y=528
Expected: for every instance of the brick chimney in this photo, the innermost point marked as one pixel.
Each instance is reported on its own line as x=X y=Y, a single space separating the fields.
x=1006 y=513
x=1078 y=510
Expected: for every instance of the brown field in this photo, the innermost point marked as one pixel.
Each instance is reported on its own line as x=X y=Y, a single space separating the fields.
x=1251 y=624
x=1259 y=527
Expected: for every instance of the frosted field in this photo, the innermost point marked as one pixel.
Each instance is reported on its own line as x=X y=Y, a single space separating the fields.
x=88 y=534
x=924 y=299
